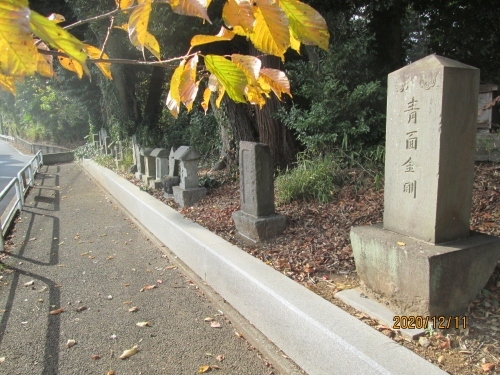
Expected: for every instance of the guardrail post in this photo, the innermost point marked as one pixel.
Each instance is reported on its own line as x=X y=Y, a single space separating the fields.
x=30 y=176
x=1 y=237
x=20 y=195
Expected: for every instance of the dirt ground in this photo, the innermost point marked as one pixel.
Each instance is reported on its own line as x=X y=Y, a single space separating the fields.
x=315 y=251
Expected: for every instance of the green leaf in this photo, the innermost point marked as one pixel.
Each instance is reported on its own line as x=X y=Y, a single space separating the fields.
x=232 y=78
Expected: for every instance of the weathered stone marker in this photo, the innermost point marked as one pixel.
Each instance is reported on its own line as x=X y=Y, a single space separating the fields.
x=257 y=220
x=424 y=260
x=173 y=178
x=149 y=165
x=188 y=192
x=161 y=159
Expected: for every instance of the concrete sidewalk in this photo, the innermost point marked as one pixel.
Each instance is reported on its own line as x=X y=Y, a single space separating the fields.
x=75 y=249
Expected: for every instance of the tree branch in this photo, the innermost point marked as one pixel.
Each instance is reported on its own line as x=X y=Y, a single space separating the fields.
x=107 y=36
x=100 y=17
x=161 y=63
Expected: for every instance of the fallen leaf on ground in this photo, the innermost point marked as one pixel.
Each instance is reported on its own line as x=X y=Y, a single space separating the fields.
x=488 y=367
x=143 y=324
x=111 y=372
x=2 y=359
x=401 y=243
x=81 y=308
x=57 y=311
x=220 y=358
x=208 y=319
x=29 y=283
x=129 y=353
x=133 y=309
x=170 y=267
x=148 y=287
x=215 y=324
x=96 y=357
x=159 y=281
x=110 y=257
x=204 y=369
x=70 y=343
x=238 y=334
x=83 y=254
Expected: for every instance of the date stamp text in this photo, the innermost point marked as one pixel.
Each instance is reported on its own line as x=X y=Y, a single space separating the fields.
x=434 y=322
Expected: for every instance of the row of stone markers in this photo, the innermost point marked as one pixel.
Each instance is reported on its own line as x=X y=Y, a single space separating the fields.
x=422 y=260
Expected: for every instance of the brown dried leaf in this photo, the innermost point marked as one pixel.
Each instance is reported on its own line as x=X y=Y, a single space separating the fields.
x=96 y=357
x=143 y=324
x=57 y=311
x=148 y=287
x=215 y=324
x=220 y=358
x=487 y=367
x=401 y=243
x=133 y=309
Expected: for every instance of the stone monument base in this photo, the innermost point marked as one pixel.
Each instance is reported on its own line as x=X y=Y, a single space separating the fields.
x=138 y=176
x=259 y=228
x=146 y=179
x=188 y=197
x=156 y=184
x=421 y=279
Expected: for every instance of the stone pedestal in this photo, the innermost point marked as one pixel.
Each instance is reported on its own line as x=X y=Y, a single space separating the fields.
x=188 y=192
x=257 y=220
x=258 y=228
x=188 y=197
x=425 y=261
x=149 y=163
x=418 y=278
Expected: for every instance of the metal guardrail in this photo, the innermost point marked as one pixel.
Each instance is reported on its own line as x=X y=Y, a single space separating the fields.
x=21 y=183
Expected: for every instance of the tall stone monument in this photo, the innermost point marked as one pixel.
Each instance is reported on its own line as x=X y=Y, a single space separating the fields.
x=257 y=220
x=188 y=192
x=424 y=260
x=149 y=165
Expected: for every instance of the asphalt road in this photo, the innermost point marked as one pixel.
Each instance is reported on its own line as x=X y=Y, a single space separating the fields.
x=81 y=269
x=11 y=161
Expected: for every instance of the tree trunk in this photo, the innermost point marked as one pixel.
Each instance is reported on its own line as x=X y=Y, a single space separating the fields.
x=272 y=131
x=386 y=24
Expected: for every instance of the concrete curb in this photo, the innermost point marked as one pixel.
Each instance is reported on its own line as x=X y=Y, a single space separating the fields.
x=320 y=337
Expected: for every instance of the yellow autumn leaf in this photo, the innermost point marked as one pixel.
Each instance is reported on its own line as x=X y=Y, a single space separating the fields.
x=152 y=45
x=277 y=80
x=7 y=83
x=17 y=51
x=71 y=65
x=138 y=24
x=95 y=53
x=229 y=75
x=270 y=33
x=204 y=369
x=44 y=62
x=250 y=65
x=223 y=35
x=206 y=99
x=56 y=18
x=306 y=23
x=59 y=38
x=174 y=97
x=221 y=91
x=254 y=95
x=124 y=4
x=188 y=87
x=239 y=15
x=294 y=43
x=196 y=8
